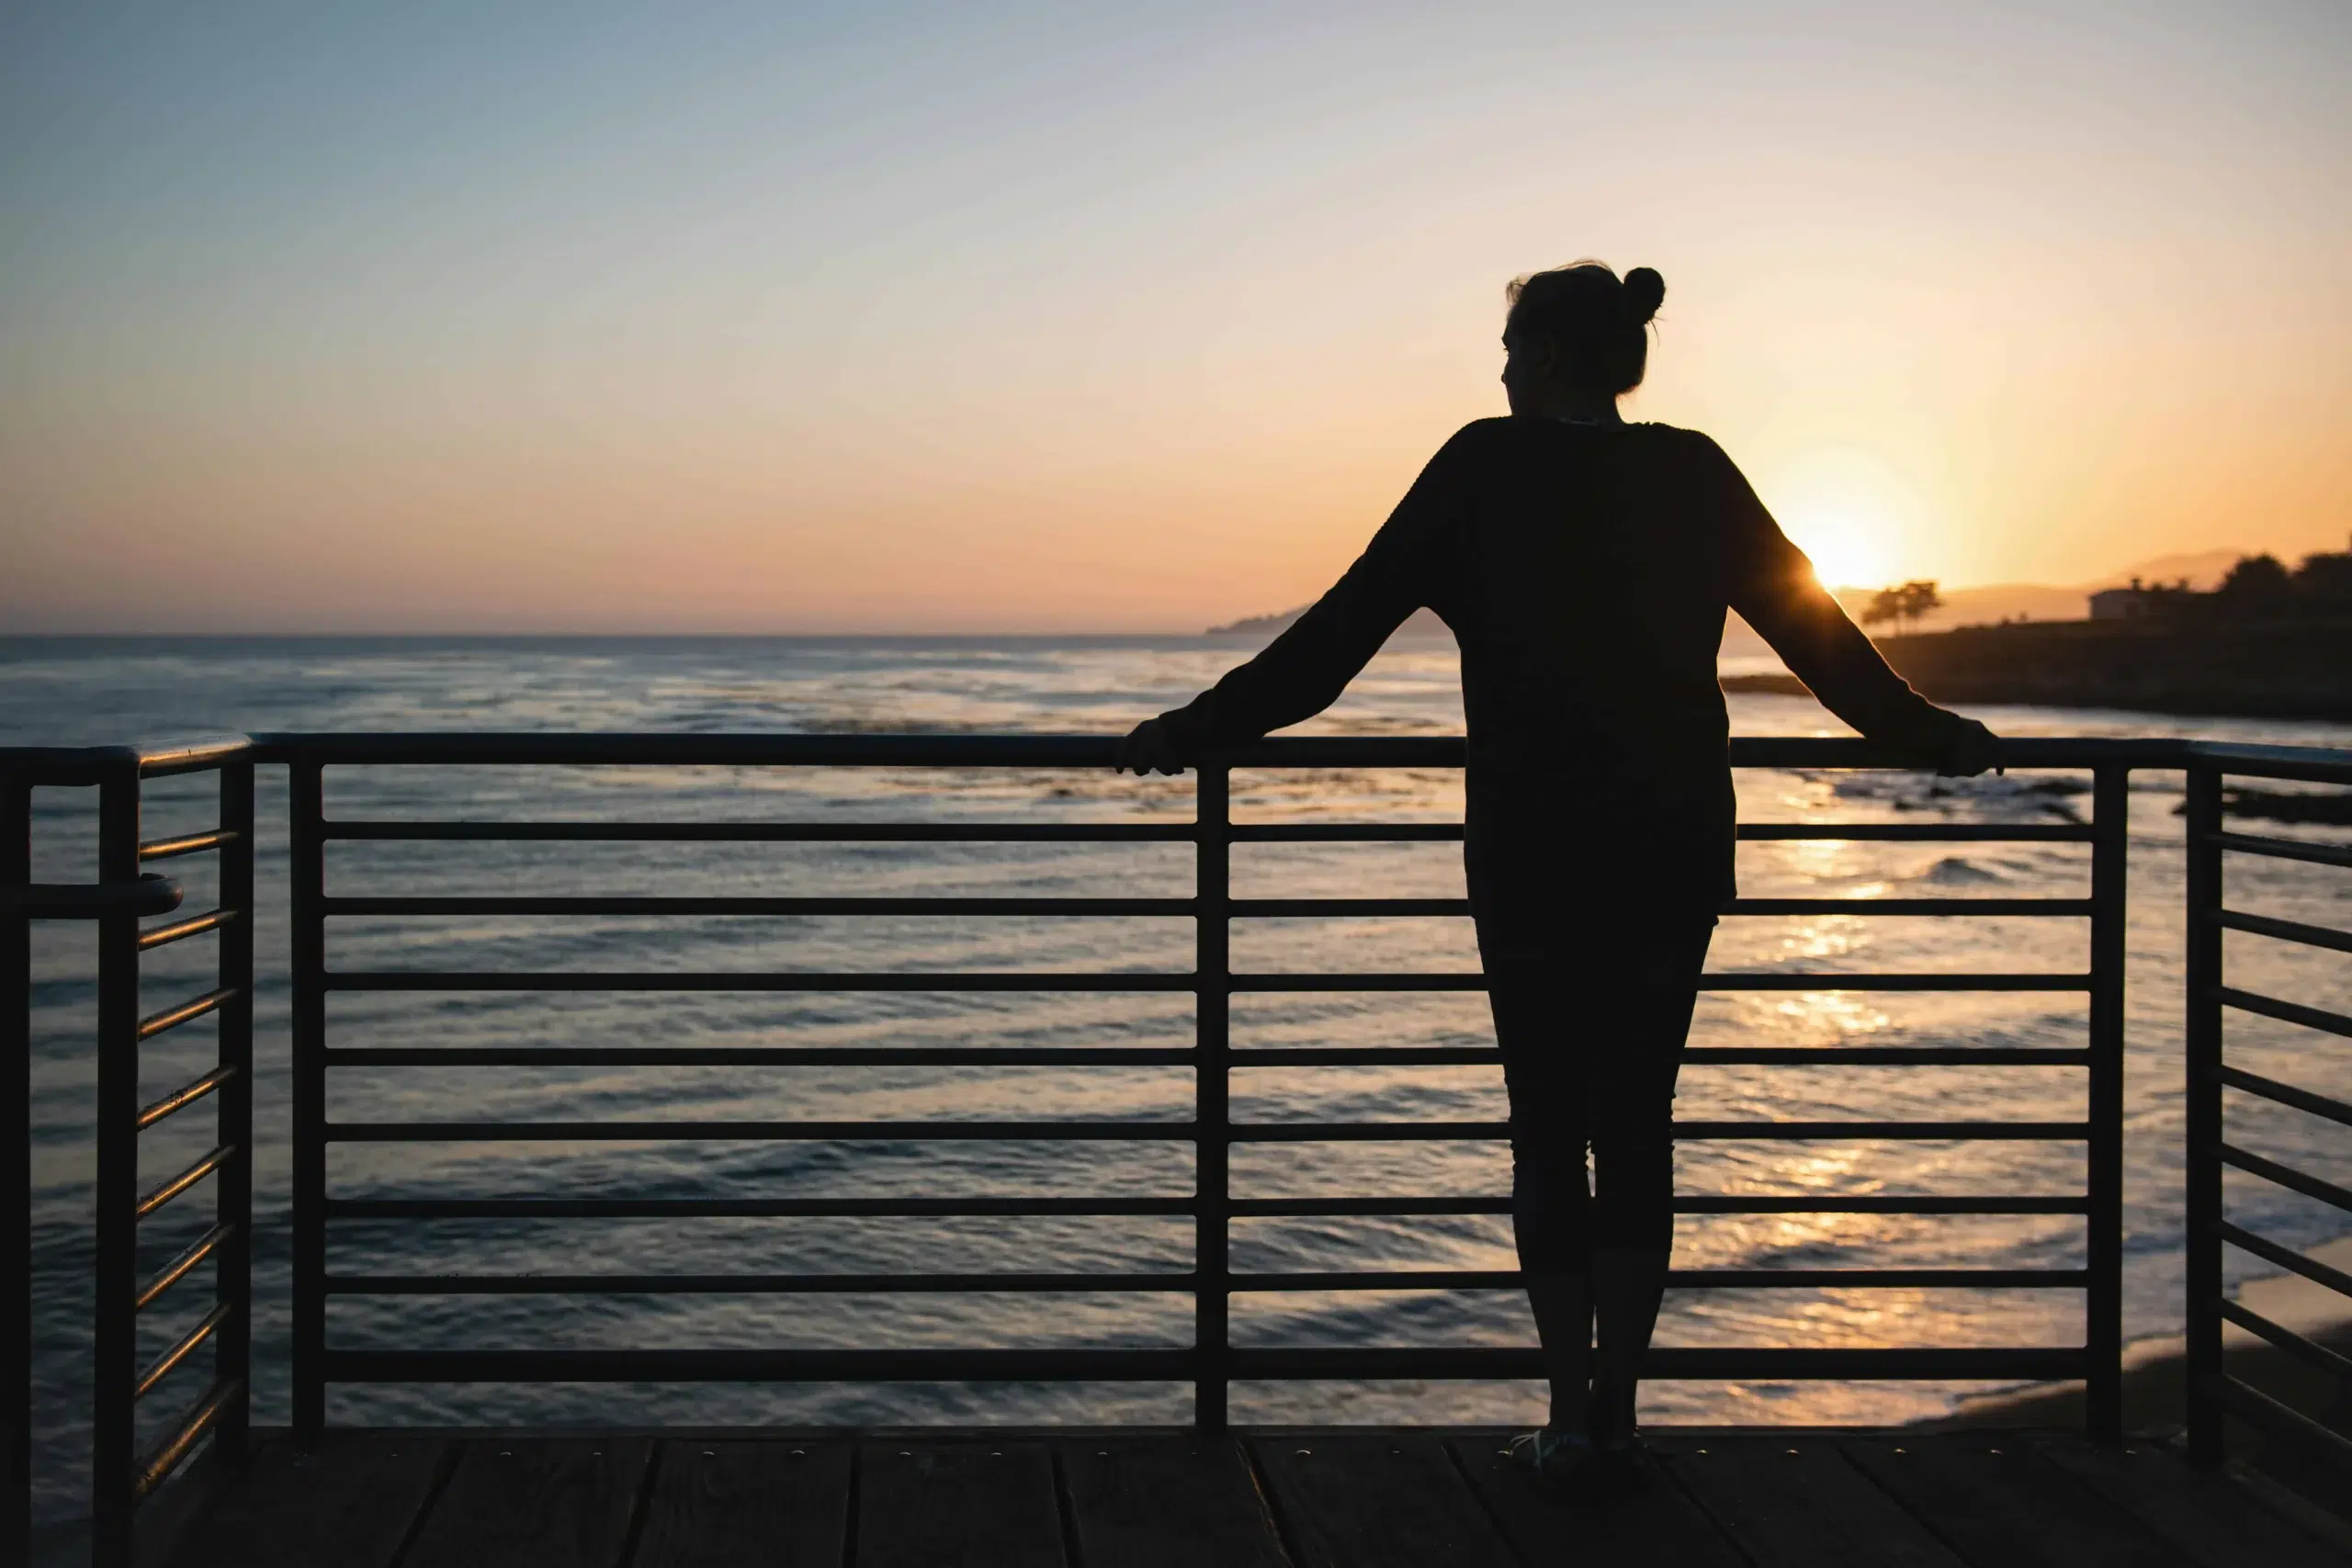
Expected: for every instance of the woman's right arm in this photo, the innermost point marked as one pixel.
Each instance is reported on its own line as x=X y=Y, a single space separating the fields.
x=1303 y=670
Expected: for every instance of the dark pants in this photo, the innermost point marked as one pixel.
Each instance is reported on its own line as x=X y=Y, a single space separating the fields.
x=1591 y=1014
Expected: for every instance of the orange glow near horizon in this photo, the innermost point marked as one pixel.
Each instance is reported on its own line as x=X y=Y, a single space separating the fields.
x=828 y=324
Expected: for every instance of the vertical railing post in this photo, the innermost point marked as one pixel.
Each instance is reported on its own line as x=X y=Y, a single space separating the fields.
x=15 y=1137
x=1213 y=970
x=307 y=867
x=2202 y=1040
x=233 y=1270
x=114 y=1465
x=2103 y=1300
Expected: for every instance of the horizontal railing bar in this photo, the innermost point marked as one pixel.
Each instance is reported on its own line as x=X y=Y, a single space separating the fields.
x=1744 y=1055
x=639 y=1131
x=590 y=904
x=809 y=980
x=366 y=1209
x=159 y=1466
x=2313 y=765
x=152 y=893
x=183 y=1181
x=520 y=1366
x=1957 y=1364
x=1939 y=907
x=745 y=1207
x=1150 y=1056
x=2285 y=1175
x=744 y=1284
x=772 y=832
x=1679 y=1278
x=1383 y=1132
x=187 y=843
x=580 y=905
x=2285 y=931
x=180 y=931
x=1921 y=832
x=1899 y=1203
x=2288 y=1094
x=981 y=1283
x=1855 y=832
x=2286 y=1012
x=1713 y=981
x=2283 y=848
x=163 y=1364
x=178 y=1269
x=194 y=756
x=1918 y=1204
x=2251 y=1406
x=187 y=1095
x=771 y=749
x=187 y=1011
x=1129 y=1131
x=2286 y=1339
x=1889 y=1056
x=2286 y=1257
x=1155 y=981
x=1771 y=982
x=1346 y=832
x=758 y=1056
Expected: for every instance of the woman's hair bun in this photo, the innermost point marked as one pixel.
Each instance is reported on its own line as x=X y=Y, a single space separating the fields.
x=1597 y=321
x=1645 y=292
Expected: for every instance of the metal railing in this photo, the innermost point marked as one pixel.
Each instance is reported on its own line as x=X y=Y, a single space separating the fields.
x=2212 y=1391
x=121 y=1475
x=1212 y=1361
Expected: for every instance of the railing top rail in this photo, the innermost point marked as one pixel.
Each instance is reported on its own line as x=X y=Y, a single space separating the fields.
x=87 y=764
x=82 y=764
x=489 y=747
x=2314 y=764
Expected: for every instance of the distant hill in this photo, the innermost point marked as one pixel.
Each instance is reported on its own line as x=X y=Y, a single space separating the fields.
x=1419 y=626
x=1962 y=606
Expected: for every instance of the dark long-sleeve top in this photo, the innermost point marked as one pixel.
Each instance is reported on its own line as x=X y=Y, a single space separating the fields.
x=1585 y=569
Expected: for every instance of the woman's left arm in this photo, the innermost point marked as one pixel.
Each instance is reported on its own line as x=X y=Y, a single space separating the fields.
x=1300 y=672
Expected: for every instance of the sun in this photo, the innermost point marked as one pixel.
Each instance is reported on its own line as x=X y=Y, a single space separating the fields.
x=1848 y=549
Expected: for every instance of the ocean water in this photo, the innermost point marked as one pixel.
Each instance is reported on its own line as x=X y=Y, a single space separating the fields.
x=77 y=692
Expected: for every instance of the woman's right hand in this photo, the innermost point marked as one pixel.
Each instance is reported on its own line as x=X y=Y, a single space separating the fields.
x=1148 y=748
x=1965 y=747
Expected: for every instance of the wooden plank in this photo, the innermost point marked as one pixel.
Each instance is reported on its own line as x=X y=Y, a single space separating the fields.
x=2207 y=1518
x=1387 y=1501
x=348 y=1499
x=1166 y=1503
x=957 y=1505
x=1797 y=1502
x=1992 y=1499
x=732 y=1504
x=1657 y=1527
x=537 y=1503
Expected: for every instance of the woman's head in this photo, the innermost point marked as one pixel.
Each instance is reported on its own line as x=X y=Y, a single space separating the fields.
x=1578 y=330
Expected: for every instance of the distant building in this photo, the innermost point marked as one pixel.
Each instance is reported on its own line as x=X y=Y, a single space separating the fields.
x=2138 y=602
x=2120 y=604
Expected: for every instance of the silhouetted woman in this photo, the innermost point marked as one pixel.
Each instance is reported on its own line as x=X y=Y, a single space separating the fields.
x=1584 y=565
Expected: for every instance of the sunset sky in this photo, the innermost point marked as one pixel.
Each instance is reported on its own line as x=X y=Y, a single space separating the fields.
x=821 y=317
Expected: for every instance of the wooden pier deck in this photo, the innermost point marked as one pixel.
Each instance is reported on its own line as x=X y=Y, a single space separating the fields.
x=1352 y=1498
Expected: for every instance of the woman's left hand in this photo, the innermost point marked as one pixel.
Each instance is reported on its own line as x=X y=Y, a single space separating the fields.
x=1148 y=748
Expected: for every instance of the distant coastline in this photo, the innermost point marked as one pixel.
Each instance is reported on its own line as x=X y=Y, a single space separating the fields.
x=2258 y=669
